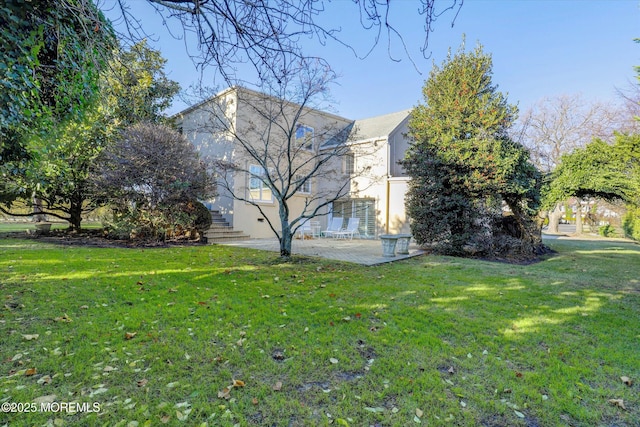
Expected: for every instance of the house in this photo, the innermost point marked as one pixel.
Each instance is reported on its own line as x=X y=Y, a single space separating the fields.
x=359 y=161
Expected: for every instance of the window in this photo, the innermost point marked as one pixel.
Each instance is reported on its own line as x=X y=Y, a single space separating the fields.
x=258 y=189
x=304 y=137
x=365 y=209
x=348 y=164
x=306 y=187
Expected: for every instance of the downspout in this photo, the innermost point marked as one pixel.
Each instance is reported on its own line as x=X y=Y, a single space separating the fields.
x=388 y=208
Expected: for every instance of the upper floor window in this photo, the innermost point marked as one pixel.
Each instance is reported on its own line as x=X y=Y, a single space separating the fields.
x=348 y=164
x=304 y=136
x=258 y=189
x=306 y=187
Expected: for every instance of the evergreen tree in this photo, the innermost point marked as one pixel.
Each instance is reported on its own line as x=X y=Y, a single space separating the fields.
x=464 y=166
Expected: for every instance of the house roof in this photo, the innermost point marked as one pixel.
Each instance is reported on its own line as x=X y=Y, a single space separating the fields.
x=369 y=128
x=379 y=126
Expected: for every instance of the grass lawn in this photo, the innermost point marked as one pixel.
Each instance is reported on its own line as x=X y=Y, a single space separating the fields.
x=159 y=336
x=14 y=226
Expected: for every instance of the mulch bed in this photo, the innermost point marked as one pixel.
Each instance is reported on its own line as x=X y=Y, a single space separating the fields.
x=95 y=238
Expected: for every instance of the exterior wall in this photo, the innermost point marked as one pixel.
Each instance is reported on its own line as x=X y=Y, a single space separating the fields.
x=377 y=179
x=398 y=146
x=198 y=126
x=250 y=125
x=398 y=222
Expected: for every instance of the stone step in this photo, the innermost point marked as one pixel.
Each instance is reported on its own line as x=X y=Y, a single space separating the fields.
x=227 y=238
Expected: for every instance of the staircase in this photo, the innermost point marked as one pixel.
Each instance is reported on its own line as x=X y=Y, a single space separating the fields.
x=220 y=230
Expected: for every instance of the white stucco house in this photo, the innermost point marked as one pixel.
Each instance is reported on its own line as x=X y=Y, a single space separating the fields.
x=238 y=125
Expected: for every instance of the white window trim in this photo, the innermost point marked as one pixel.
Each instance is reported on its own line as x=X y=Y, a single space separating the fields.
x=251 y=176
x=302 y=140
x=307 y=184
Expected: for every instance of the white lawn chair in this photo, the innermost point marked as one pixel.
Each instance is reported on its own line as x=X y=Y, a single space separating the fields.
x=352 y=228
x=305 y=229
x=334 y=227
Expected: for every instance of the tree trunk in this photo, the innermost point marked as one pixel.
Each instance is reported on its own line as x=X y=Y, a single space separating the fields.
x=37 y=209
x=554 y=219
x=75 y=215
x=285 y=238
x=579 y=226
x=285 y=244
x=530 y=230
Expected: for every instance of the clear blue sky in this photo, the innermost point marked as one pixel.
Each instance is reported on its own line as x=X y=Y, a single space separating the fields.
x=541 y=48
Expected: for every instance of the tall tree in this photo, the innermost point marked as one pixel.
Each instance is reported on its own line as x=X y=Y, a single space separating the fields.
x=557 y=126
x=276 y=150
x=52 y=52
x=601 y=170
x=136 y=88
x=133 y=88
x=463 y=164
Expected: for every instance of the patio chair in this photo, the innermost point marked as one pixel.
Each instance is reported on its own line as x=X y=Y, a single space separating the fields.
x=305 y=229
x=352 y=228
x=334 y=227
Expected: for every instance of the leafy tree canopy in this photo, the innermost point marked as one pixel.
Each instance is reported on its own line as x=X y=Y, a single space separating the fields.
x=52 y=52
x=599 y=170
x=463 y=164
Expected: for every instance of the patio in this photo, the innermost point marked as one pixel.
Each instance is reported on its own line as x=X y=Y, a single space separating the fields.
x=357 y=251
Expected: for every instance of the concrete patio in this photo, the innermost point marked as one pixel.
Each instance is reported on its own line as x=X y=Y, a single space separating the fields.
x=358 y=251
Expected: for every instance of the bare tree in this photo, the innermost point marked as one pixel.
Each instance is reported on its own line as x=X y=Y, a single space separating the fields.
x=629 y=115
x=277 y=145
x=149 y=174
x=266 y=34
x=557 y=126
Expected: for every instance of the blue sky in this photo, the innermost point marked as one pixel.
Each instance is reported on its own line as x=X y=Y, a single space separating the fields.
x=540 y=48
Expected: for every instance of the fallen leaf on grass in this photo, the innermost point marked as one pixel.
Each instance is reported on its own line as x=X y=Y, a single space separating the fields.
x=31 y=337
x=419 y=413
x=29 y=372
x=618 y=402
x=130 y=335
x=143 y=382
x=254 y=401
x=277 y=386
x=45 y=380
x=64 y=318
x=333 y=360
x=182 y=416
x=224 y=394
x=518 y=414
x=626 y=381
x=165 y=419
x=49 y=398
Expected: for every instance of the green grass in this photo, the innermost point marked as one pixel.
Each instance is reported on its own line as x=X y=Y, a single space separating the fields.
x=464 y=342
x=16 y=226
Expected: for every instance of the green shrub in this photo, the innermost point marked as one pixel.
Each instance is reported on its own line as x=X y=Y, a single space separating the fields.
x=607 y=231
x=631 y=223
